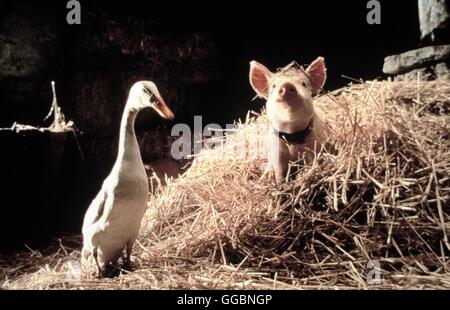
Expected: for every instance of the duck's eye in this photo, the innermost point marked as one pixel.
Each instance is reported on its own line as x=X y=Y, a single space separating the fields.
x=145 y=90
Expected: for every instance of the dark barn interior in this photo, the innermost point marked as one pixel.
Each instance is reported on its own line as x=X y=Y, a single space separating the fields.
x=197 y=53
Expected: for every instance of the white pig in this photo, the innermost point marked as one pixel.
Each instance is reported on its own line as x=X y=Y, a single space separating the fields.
x=296 y=129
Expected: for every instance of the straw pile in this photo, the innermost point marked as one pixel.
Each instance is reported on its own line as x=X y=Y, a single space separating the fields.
x=374 y=201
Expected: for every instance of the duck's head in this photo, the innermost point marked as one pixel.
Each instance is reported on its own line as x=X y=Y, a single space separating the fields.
x=145 y=94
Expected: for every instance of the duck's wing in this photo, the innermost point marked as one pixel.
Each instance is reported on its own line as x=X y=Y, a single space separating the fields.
x=101 y=205
x=97 y=208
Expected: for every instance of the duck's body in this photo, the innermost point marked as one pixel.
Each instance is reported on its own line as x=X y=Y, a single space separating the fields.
x=112 y=221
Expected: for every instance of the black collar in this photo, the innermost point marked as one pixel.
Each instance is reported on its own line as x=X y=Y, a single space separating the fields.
x=298 y=137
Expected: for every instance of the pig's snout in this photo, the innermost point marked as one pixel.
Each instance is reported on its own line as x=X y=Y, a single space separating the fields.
x=287 y=91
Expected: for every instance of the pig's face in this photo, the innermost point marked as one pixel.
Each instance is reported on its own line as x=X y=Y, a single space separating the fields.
x=289 y=93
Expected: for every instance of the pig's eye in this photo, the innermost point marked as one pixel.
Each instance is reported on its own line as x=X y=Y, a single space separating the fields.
x=273 y=85
x=304 y=84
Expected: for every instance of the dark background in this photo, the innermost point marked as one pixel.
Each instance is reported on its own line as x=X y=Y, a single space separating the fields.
x=198 y=54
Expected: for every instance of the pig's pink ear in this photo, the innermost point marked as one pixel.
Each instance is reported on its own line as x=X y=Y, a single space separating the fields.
x=259 y=78
x=317 y=74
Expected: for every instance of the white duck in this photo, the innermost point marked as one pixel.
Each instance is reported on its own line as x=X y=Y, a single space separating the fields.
x=112 y=221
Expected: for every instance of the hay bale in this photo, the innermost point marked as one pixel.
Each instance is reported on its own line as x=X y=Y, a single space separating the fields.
x=381 y=192
x=378 y=190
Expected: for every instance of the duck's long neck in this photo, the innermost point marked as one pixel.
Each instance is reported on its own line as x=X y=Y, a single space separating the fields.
x=128 y=144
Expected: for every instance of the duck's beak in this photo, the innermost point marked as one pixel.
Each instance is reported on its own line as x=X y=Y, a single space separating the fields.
x=161 y=107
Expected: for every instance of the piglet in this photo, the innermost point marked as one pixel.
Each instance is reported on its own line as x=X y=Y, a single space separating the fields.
x=296 y=129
